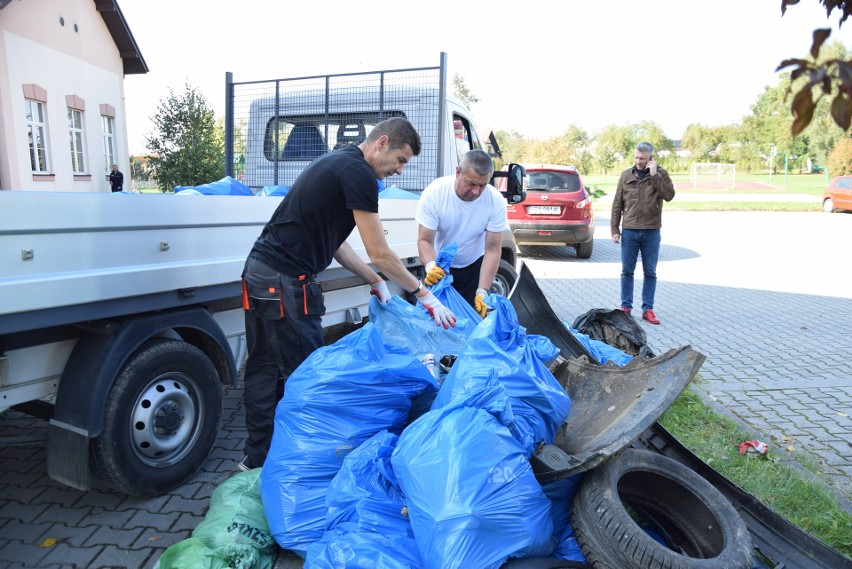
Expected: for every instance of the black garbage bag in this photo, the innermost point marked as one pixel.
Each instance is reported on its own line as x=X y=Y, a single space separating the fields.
x=615 y=328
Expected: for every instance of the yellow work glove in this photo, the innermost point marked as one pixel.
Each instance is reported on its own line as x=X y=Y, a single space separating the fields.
x=479 y=302
x=434 y=273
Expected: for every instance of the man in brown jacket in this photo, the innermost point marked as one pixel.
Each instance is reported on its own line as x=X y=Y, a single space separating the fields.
x=637 y=209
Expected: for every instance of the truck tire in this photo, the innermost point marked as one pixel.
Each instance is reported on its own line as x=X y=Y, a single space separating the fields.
x=505 y=278
x=584 y=250
x=161 y=419
x=637 y=491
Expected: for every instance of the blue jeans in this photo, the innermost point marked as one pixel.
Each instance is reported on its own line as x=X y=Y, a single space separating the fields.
x=633 y=242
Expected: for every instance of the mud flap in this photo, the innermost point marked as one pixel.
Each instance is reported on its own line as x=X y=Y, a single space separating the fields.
x=68 y=455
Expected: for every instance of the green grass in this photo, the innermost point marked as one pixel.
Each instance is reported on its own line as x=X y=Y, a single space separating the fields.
x=742 y=206
x=812 y=184
x=809 y=184
x=805 y=503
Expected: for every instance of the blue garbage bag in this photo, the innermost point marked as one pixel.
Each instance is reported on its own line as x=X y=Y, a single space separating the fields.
x=338 y=398
x=411 y=330
x=473 y=499
x=561 y=496
x=395 y=193
x=366 y=523
x=227 y=186
x=539 y=403
x=273 y=191
x=601 y=351
x=466 y=317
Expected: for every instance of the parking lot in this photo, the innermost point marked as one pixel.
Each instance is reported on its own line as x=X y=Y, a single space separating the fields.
x=767 y=297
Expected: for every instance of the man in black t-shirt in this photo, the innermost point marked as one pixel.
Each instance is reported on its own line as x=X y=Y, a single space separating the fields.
x=335 y=194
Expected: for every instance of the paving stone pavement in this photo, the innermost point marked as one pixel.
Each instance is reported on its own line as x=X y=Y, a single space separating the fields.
x=767 y=297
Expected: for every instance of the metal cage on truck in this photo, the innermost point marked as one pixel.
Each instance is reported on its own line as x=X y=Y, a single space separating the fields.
x=274 y=128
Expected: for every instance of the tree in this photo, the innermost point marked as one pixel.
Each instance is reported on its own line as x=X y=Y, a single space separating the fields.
x=840 y=160
x=826 y=75
x=139 y=168
x=187 y=146
x=577 y=145
x=702 y=141
x=512 y=146
x=612 y=145
x=462 y=92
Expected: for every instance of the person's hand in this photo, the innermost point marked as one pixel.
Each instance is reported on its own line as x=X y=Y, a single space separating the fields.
x=442 y=315
x=380 y=290
x=616 y=238
x=479 y=302
x=434 y=273
x=652 y=166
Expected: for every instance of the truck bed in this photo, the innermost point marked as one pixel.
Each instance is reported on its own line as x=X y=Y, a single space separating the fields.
x=70 y=249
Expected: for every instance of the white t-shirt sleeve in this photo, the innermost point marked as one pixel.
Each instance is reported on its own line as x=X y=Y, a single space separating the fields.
x=427 y=213
x=499 y=218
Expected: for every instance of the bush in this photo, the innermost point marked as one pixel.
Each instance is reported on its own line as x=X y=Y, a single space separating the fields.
x=840 y=158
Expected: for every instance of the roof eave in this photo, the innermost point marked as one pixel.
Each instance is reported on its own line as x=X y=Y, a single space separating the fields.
x=131 y=56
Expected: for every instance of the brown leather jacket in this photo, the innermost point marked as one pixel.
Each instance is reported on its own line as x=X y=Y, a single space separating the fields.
x=638 y=204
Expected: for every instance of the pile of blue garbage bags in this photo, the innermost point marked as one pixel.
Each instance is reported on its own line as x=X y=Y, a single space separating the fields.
x=405 y=445
x=380 y=460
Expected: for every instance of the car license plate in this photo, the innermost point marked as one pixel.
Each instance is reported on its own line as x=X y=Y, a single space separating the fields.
x=543 y=209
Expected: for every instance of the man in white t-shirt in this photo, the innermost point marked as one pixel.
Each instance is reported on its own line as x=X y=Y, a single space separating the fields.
x=467 y=210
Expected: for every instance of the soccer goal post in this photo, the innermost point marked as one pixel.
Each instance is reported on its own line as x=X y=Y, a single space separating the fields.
x=714 y=176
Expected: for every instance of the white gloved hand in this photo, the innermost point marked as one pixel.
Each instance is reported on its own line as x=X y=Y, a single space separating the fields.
x=434 y=273
x=443 y=316
x=380 y=290
x=479 y=302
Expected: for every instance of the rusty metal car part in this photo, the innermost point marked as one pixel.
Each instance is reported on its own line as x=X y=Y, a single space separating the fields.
x=611 y=406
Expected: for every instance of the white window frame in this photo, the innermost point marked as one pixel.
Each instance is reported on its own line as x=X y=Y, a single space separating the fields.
x=108 y=135
x=77 y=139
x=37 y=136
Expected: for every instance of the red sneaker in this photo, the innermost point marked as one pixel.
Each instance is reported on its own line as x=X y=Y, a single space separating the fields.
x=650 y=317
x=625 y=309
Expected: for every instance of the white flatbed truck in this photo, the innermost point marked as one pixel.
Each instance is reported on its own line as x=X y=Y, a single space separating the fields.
x=120 y=314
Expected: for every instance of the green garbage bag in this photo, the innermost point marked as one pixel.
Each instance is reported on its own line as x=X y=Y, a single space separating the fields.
x=235 y=526
x=190 y=553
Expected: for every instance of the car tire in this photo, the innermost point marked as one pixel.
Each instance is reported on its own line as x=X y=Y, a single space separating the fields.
x=828 y=205
x=698 y=525
x=161 y=419
x=584 y=250
x=505 y=279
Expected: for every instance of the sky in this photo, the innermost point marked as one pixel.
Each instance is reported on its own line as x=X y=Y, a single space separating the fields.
x=537 y=67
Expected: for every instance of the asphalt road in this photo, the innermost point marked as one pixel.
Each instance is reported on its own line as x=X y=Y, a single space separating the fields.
x=767 y=297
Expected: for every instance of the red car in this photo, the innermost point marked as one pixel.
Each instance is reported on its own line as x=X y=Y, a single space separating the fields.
x=557 y=211
x=838 y=194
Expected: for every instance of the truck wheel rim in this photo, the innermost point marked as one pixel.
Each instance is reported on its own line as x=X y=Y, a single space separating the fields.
x=165 y=418
x=500 y=286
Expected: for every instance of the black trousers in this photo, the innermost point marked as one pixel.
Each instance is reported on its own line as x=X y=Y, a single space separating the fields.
x=466 y=280
x=283 y=327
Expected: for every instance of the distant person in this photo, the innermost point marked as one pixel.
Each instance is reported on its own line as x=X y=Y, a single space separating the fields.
x=283 y=302
x=637 y=209
x=464 y=208
x=116 y=179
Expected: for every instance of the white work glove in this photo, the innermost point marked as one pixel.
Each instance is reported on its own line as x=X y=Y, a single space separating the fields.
x=442 y=315
x=380 y=290
x=434 y=273
x=479 y=302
